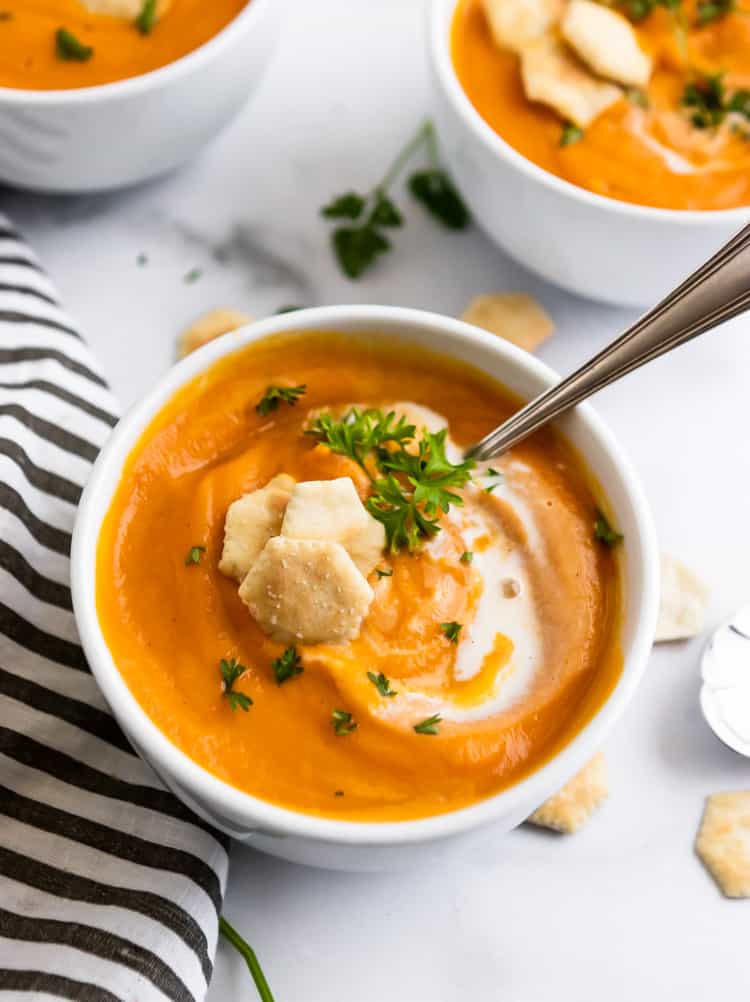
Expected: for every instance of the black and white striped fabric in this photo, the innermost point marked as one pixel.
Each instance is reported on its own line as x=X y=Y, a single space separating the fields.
x=110 y=889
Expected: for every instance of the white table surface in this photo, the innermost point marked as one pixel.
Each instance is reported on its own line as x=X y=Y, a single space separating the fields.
x=622 y=910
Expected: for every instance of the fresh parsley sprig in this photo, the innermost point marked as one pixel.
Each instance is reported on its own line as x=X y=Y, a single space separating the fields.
x=381 y=683
x=244 y=949
x=231 y=672
x=274 y=394
x=343 y=723
x=71 y=49
x=604 y=532
x=709 y=102
x=360 y=241
x=452 y=630
x=571 y=134
x=287 y=666
x=147 y=17
x=409 y=490
x=429 y=726
x=194 y=555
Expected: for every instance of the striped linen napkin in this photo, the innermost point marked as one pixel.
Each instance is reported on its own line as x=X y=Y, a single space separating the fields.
x=110 y=889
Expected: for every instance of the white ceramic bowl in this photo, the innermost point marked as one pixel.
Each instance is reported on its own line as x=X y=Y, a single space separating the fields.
x=346 y=844
x=594 y=246
x=117 y=134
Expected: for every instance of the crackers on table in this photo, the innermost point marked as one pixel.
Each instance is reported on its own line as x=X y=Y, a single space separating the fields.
x=683 y=602
x=571 y=808
x=515 y=316
x=209 y=327
x=723 y=842
x=553 y=76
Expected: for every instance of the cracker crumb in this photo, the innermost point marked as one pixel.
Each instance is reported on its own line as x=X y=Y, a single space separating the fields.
x=723 y=842
x=514 y=316
x=571 y=808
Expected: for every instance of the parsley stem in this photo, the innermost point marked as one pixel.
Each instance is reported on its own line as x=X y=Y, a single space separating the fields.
x=423 y=134
x=247 y=952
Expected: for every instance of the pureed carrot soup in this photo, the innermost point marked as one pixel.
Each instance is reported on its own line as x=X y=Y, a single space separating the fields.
x=380 y=660
x=61 y=44
x=646 y=101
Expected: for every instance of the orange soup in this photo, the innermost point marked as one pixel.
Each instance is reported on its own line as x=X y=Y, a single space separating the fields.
x=439 y=653
x=61 y=44
x=680 y=141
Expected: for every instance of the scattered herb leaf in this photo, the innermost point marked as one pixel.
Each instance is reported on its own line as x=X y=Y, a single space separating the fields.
x=437 y=193
x=383 y=574
x=69 y=48
x=147 y=17
x=604 y=532
x=290 y=308
x=706 y=96
x=466 y=557
x=248 y=954
x=338 y=793
x=192 y=276
x=141 y=260
x=343 y=723
x=429 y=726
x=287 y=666
x=195 y=554
x=274 y=394
x=571 y=134
x=348 y=206
x=381 y=683
x=231 y=672
x=712 y=10
x=356 y=248
x=452 y=631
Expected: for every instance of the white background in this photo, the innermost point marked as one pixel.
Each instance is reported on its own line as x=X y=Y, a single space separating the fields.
x=623 y=910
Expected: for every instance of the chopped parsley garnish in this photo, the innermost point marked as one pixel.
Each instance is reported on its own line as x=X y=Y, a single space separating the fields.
x=498 y=480
x=452 y=631
x=343 y=723
x=244 y=949
x=466 y=557
x=409 y=490
x=712 y=10
x=69 y=48
x=571 y=134
x=706 y=96
x=231 y=672
x=274 y=394
x=381 y=683
x=604 y=532
x=195 y=554
x=429 y=726
x=147 y=17
x=287 y=666
x=338 y=793
x=383 y=574
x=192 y=276
x=359 y=239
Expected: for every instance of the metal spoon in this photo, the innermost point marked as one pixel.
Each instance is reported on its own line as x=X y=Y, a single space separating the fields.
x=717 y=291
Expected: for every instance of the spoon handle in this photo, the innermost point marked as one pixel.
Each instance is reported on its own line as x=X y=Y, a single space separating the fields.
x=717 y=291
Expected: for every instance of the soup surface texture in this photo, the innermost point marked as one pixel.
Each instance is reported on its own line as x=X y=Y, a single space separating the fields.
x=508 y=650
x=680 y=142
x=30 y=59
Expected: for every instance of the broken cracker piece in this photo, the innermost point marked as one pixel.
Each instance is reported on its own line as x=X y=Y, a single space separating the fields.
x=606 y=41
x=553 y=76
x=250 y=522
x=683 y=602
x=515 y=23
x=511 y=315
x=723 y=841
x=129 y=10
x=209 y=327
x=303 y=591
x=567 y=810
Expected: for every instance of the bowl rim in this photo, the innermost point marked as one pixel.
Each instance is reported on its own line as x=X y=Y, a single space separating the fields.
x=262 y=816
x=440 y=14
x=133 y=86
